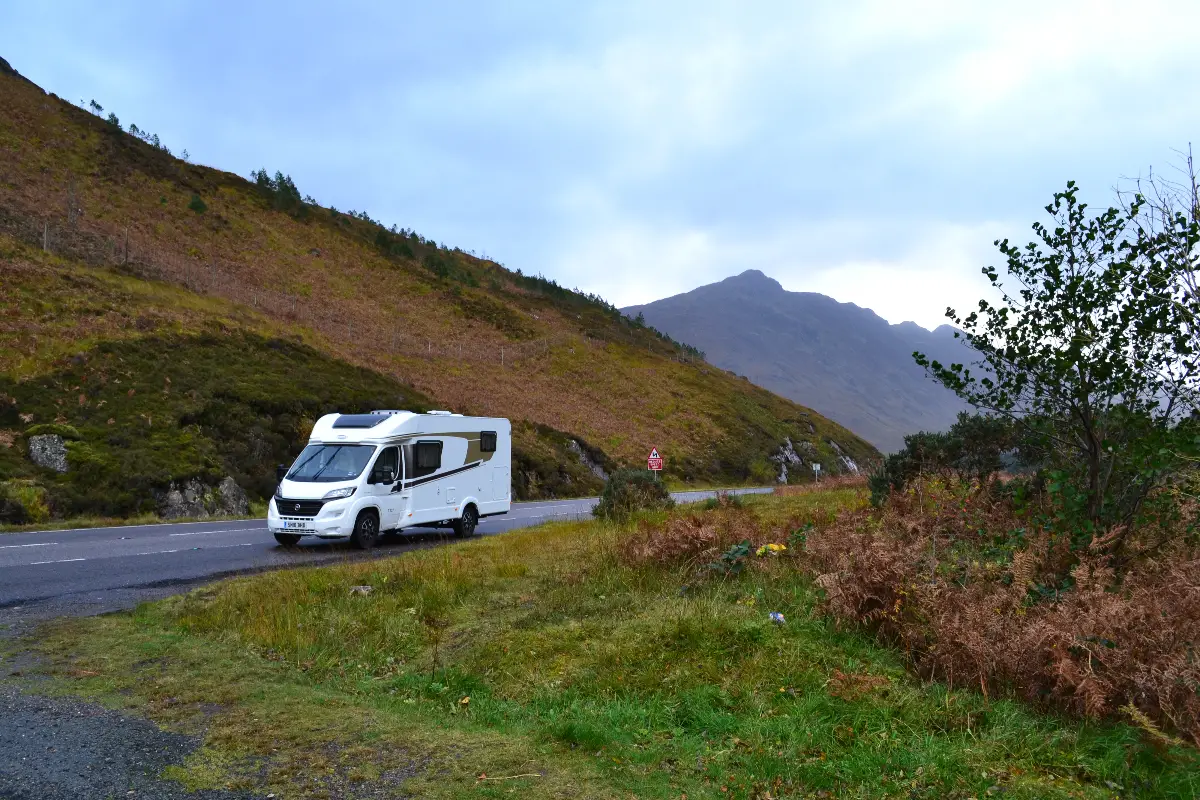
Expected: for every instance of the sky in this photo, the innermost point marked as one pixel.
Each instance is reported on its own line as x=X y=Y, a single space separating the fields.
x=871 y=151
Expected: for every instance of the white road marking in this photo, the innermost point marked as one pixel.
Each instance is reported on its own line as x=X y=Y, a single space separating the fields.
x=60 y=561
x=144 y=525
x=35 y=544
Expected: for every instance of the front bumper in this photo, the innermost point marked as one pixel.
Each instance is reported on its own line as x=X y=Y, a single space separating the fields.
x=332 y=522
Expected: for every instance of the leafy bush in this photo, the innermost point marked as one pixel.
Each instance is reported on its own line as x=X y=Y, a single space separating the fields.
x=732 y=561
x=629 y=491
x=198 y=205
x=23 y=502
x=971 y=450
x=1097 y=359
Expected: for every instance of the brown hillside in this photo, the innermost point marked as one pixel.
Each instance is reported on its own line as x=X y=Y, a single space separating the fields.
x=80 y=197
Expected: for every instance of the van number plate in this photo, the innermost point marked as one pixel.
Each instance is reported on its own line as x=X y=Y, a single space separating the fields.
x=299 y=525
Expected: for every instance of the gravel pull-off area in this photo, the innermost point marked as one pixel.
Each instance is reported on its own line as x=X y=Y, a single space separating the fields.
x=53 y=748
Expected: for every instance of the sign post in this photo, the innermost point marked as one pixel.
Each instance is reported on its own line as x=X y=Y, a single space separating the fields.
x=655 y=462
x=816 y=472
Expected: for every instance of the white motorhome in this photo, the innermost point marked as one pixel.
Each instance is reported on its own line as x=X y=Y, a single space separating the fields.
x=366 y=474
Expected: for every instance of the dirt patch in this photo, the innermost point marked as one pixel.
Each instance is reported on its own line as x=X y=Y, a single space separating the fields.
x=59 y=747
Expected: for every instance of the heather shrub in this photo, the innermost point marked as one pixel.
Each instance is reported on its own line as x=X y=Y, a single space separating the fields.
x=628 y=491
x=691 y=540
x=975 y=596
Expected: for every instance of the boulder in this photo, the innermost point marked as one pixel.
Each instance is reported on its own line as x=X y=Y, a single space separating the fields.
x=231 y=500
x=49 y=451
x=186 y=500
x=194 y=498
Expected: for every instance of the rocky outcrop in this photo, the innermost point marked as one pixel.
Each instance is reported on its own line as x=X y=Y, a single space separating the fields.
x=587 y=460
x=786 y=456
x=49 y=451
x=193 y=498
x=231 y=500
x=848 y=463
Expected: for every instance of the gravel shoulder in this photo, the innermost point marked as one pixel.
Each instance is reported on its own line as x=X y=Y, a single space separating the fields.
x=53 y=747
x=59 y=747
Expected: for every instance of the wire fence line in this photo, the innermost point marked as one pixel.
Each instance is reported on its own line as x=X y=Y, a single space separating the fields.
x=128 y=251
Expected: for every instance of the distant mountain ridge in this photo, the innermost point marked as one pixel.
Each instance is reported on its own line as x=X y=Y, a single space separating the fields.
x=844 y=361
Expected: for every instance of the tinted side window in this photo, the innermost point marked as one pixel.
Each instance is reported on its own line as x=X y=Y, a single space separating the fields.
x=388 y=461
x=487 y=442
x=427 y=457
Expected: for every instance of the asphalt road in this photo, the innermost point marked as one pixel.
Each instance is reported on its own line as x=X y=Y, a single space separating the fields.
x=99 y=568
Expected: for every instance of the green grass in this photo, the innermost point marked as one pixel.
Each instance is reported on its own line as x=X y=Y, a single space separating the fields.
x=539 y=653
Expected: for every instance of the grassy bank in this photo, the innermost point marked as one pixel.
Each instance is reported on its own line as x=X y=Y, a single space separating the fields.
x=549 y=663
x=258 y=510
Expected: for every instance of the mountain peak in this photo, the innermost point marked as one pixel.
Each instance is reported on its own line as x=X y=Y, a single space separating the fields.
x=840 y=359
x=756 y=278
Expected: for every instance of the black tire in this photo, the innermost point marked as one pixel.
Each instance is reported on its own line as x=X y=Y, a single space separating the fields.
x=366 y=530
x=287 y=539
x=465 y=525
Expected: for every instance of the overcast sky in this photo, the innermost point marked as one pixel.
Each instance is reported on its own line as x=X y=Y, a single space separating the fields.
x=869 y=151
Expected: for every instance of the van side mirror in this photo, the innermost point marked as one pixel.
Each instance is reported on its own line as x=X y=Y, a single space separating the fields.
x=280 y=472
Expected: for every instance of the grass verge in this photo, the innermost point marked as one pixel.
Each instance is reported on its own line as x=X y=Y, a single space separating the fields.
x=540 y=664
x=258 y=510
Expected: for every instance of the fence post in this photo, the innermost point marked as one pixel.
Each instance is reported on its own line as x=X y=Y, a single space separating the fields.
x=126 y=261
x=46 y=236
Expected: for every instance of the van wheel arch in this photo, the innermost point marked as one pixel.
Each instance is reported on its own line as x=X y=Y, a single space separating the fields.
x=465 y=525
x=366 y=529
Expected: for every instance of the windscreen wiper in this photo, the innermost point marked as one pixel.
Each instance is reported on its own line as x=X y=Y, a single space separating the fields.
x=327 y=463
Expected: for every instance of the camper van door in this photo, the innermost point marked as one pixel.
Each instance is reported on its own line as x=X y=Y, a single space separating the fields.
x=380 y=482
x=426 y=488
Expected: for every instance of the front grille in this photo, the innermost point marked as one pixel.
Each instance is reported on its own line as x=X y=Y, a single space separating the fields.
x=298 y=508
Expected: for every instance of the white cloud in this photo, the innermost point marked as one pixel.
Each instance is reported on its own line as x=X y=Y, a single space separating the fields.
x=940 y=268
x=931 y=266
x=638 y=150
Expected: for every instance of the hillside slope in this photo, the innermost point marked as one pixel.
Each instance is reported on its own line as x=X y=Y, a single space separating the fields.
x=121 y=262
x=844 y=361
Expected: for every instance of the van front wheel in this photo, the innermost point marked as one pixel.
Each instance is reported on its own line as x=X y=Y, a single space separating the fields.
x=465 y=525
x=366 y=531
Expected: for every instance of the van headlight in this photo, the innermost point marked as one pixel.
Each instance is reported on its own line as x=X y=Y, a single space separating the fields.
x=279 y=491
x=338 y=494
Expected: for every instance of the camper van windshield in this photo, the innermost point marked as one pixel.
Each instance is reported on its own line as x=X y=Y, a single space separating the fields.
x=331 y=462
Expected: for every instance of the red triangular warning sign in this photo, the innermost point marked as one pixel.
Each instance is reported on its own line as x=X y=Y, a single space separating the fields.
x=654 y=453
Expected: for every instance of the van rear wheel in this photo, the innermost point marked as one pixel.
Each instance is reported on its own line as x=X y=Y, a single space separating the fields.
x=288 y=539
x=465 y=525
x=366 y=531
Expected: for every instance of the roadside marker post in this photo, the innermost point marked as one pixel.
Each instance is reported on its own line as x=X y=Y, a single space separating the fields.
x=816 y=472
x=655 y=462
